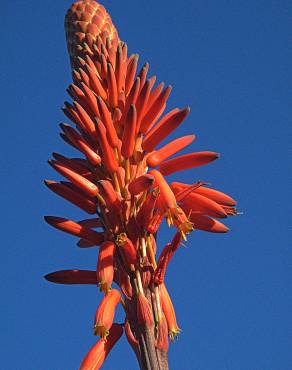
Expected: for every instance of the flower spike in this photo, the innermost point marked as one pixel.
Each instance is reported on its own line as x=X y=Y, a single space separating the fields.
x=117 y=124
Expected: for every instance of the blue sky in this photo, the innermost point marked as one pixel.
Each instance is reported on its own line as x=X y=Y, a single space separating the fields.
x=230 y=61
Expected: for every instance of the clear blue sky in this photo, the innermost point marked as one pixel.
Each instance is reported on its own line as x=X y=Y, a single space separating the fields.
x=231 y=62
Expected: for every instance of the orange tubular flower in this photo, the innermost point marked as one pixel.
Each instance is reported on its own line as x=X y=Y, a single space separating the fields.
x=213 y=194
x=206 y=223
x=108 y=152
x=72 y=196
x=169 y=149
x=75 y=229
x=118 y=122
x=164 y=258
x=72 y=277
x=128 y=141
x=163 y=128
x=168 y=310
x=105 y=313
x=199 y=203
x=98 y=352
x=156 y=106
x=81 y=182
x=110 y=196
x=165 y=191
x=105 y=266
x=186 y=161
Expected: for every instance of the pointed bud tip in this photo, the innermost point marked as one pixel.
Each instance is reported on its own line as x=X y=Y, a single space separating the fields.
x=49 y=182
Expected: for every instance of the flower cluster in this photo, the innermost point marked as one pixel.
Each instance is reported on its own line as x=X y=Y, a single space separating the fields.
x=118 y=123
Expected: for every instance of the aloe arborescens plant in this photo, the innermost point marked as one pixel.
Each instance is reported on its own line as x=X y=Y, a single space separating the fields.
x=117 y=123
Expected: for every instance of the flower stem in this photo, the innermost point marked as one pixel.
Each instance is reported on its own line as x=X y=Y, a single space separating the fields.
x=148 y=356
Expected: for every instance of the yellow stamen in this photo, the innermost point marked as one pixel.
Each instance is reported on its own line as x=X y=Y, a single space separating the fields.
x=183 y=235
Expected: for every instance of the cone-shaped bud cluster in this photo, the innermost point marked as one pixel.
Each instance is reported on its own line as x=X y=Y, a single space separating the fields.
x=118 y=123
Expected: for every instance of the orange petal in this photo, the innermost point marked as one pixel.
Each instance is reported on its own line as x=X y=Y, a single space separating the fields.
x=163 y=128
x=206 y=223
x=168 y=150
x=81 y=182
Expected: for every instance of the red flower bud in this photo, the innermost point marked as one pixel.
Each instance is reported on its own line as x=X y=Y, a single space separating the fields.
x=72 y=277
x=74 y=228
x=128 y=249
